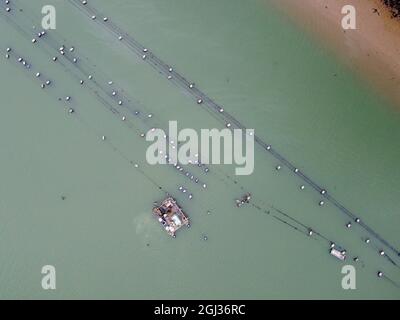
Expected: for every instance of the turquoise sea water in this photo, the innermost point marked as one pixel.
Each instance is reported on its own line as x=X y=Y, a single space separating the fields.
x=71 y=200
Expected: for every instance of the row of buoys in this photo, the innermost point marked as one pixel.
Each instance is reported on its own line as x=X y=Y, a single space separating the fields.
x=184 y=190
x=150 y=115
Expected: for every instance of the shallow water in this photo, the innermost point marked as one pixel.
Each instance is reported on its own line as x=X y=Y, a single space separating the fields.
x=102 y=239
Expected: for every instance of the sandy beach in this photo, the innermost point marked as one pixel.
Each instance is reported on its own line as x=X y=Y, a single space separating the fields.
x=372 y=49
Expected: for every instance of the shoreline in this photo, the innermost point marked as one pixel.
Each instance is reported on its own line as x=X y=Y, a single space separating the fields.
x=372 y=50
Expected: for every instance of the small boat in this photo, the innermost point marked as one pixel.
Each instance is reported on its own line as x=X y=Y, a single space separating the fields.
x=245 y=199
x=338 y=254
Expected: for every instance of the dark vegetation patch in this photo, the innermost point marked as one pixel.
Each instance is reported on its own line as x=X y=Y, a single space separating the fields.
x=394 y=6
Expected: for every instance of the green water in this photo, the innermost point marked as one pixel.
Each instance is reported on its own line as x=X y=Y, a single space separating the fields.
x=102 y=238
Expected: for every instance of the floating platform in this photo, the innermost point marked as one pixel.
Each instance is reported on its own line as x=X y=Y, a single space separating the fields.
x=171 y=216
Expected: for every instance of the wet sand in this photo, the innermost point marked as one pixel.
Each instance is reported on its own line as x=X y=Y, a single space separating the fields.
x=372 y=50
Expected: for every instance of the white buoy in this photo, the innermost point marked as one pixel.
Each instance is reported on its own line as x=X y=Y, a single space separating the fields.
x=37 y=74
x=321 y=203
x=67 y=98
x=71 y=49
x=105 y=19
x=8 y=49
x=93 y=17
x=145 y=50
x=348 y=225
x=34 y=40
x=278 y=167
x=382 y=253
x=84 y=2
x=120 y=102
x=268 y=147
x=54 y=59
x=48 y=82
x=81 y=81
x=8 y=9
x=123 y=118
x=380 y=274
x=170 y=69
x=296 y=170
x=90 y=77
x=191 y=86
x=323 y=191
x=75 y=60
x=221 y=110
x=114 y=93
x=7 y=56
x=120 y=38
x=169 y=77
x=199 y=101
x=143 y=56
x=103 y=138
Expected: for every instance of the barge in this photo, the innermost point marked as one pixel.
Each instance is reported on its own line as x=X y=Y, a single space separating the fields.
x=171 y=216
